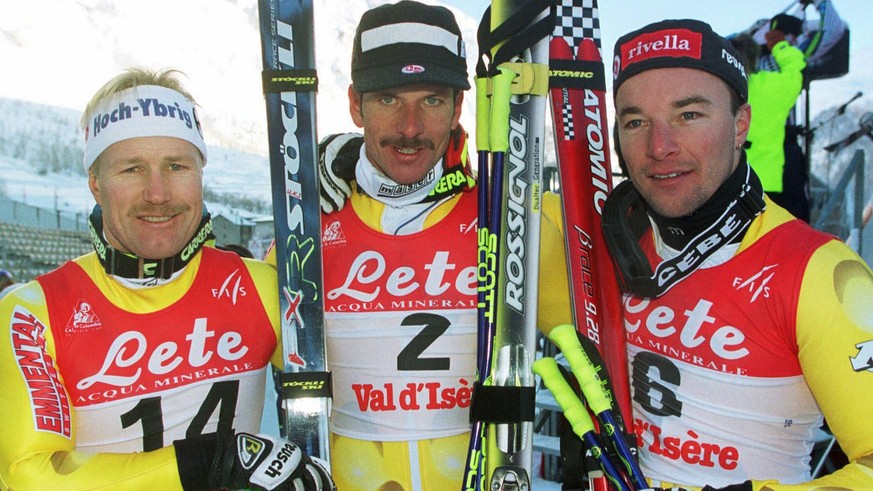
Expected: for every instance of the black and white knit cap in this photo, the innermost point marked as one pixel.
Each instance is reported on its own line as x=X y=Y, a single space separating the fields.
x=407 y=43
x=682 y=43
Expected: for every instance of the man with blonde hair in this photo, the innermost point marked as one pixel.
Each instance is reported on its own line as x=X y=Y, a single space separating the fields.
x=163 y=384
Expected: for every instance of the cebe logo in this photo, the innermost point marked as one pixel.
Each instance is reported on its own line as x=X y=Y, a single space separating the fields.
x=412 y=69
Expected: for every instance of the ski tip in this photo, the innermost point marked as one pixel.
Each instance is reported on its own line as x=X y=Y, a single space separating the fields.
x=588 y=50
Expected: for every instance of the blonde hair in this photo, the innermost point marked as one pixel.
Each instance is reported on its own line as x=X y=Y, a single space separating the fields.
x=133 y=77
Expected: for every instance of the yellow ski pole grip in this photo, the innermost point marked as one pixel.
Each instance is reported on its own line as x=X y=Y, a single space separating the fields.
x=564 y=336
x=574 y=410
x=501 y=94
x=577 y=415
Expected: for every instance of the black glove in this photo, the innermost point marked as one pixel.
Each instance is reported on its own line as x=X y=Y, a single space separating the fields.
x=337 y=156
x=746 y=486
x=248 y=461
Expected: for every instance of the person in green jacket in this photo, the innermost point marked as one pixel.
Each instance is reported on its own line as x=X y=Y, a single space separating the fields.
x=772 y=94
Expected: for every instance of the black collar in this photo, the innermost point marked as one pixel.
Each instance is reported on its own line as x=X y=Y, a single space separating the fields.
x=126 y=265
x=722 y=220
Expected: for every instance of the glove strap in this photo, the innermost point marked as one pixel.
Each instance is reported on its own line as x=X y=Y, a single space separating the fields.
x=193 y=459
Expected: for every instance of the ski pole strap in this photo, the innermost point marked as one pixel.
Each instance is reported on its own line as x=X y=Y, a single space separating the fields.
x=502 y=404
x=512 y=26
x=531 y=78
x=297 y=385
x=483 y=114
x=290 y=80
x=523 y=39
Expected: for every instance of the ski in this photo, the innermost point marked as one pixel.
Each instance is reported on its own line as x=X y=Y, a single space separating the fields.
x=290 y=82
x=504 y=402
x=578 y=92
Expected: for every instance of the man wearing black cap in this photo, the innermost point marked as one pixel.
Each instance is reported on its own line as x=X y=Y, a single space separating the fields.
x=400 y=364
x=400 y=258
x=745 y=326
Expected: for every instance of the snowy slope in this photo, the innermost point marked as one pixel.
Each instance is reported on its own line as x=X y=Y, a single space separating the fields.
x=59 y=52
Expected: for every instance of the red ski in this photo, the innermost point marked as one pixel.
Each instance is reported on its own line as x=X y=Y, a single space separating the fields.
x=578 y=95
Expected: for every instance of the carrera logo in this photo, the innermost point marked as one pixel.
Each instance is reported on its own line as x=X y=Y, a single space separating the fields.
x=453 y=180
x=230 y=288
x=669 y=42
x=412 y=69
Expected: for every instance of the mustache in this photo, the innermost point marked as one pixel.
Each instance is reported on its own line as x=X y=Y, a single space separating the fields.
x=407 y=142
x=162 y=210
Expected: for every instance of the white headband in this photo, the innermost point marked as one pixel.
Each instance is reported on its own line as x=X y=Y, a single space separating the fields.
x=144 y=110
x=412 y=32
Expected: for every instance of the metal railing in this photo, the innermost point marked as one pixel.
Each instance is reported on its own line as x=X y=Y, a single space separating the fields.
x=854 y=201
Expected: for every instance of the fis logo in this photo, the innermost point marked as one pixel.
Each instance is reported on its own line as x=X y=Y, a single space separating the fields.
x=230 y=287
x=471 y=227
x=249 y=449
x=864 y=359
x=756 y=285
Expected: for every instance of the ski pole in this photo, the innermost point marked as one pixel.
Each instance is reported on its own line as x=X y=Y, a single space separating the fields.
x=577 y=415
x=598 y=397
x=486 y=273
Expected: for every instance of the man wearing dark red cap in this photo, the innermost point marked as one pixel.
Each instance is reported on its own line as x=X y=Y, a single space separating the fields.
x=745 y=326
